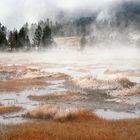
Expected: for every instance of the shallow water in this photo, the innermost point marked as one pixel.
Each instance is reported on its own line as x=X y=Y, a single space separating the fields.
x=12 y=118
x=75 y=65
x=21 y=99
x=113 y=115
x=134 y=79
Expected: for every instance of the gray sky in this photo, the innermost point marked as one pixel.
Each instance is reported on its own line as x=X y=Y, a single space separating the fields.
x=14 y=13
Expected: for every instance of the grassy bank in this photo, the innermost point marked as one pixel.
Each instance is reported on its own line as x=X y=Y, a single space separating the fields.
x=76 y=126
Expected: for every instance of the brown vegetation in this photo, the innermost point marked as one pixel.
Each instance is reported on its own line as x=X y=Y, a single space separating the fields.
x=9 y=109
x=27 y=81
x=77 y=126
x=68 y=95
x=18 y=77
x=49 y=112
x=93 y=83
x=16 y=85
x=57 y=76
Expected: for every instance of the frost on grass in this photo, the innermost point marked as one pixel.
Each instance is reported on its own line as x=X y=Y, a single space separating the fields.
x=18 y=77
x=93 y=83
x=64 y=95
x=119 y=86
x=51 y=112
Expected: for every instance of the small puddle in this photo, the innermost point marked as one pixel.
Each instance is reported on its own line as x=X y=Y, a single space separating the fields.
x=112 y=115
x=134 y=100
x=134 y=79
x=12 y=118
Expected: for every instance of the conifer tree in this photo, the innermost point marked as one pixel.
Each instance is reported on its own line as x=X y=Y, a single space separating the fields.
x=3 y=40
x=47 y=37
x=23 y=38
x=37 y=37
x=14 y=40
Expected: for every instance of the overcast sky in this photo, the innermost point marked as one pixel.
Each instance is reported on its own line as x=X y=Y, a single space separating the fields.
x=14 y=13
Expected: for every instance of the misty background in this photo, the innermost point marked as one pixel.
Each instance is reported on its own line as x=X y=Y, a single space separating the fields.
x=14 y=13
x=27 y=24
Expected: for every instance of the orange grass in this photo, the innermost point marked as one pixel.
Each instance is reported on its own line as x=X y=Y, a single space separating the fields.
x=16 y=85
x=20 y=84
x=9 y=109
x=78 y=126
x=50 y=112
x=58 y=96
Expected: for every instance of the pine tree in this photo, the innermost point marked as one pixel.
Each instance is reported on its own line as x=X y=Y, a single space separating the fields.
x=3 y=40
x=23 y=38
x=47 y=37
x=37 y=37
x=13 y=40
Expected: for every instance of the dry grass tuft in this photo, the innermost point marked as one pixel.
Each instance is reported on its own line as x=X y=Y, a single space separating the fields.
x=68 y=95
x=125 y=82
x=58 y=76
x=29 y=81
x=77 y=116
x=50 y=112
x=78 y=126
x=95 y=84
x=17 y=85
x=9 y=109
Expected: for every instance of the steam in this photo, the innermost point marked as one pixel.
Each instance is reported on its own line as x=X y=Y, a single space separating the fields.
x=101 y=54
x=14 y=13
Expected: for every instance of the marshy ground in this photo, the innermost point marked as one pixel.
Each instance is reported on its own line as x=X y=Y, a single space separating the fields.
x=68 y=95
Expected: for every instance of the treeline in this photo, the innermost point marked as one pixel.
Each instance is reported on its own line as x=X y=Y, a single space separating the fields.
x=16 y=40
x=123 y=20
x=41 y=34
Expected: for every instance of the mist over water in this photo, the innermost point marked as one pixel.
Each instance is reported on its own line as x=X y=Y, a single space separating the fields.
x=104 y=54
